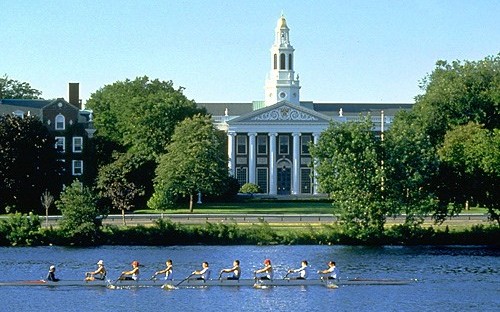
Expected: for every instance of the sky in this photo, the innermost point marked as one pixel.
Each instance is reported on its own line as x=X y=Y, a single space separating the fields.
x=357 y=51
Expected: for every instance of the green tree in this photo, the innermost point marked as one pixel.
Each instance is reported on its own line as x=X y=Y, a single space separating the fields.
x=28 y=164
x=459 y=93
x=140 y=114
x=472 y=154
x=135 y=120
x=80 y=214
x=410 y=166
x=13 y=89
x=454 y=95
x=195 y=163
x=349 y=168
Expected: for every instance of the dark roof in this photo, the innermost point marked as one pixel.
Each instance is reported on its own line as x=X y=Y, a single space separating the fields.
x=26 y=102
x=234 y=109
x=329 y=109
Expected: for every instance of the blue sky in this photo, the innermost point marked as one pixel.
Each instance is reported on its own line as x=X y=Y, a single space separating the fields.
x=345 y=51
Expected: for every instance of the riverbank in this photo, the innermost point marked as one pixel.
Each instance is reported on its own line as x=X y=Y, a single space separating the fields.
x=164 y=232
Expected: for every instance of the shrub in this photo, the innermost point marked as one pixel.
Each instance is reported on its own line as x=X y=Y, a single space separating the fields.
x=250 y=188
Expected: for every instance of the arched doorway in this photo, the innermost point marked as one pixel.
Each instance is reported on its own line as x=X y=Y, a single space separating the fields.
x=284 y=176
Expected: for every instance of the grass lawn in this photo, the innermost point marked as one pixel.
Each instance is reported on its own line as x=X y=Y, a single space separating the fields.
x=271 y=207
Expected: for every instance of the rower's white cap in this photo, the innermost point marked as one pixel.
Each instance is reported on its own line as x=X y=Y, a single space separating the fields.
x=100 y=262
x=52 y=267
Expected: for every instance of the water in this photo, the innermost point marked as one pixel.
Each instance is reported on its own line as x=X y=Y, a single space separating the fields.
x=449 y=278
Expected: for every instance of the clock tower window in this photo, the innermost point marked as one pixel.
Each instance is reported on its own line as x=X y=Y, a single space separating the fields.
x=275 y=61
x=282 y=61
x=290 y=61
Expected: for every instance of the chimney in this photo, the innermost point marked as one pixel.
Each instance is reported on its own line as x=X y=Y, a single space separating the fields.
x=74 y=94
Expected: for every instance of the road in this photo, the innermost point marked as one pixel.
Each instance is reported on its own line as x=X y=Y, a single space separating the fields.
x=145 y=219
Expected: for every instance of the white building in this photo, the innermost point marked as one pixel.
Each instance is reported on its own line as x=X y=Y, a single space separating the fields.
x=268 y=141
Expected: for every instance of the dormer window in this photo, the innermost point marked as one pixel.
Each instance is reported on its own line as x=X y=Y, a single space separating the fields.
x=60 y=122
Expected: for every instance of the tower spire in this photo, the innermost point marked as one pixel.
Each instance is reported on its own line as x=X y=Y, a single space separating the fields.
x=281 y=84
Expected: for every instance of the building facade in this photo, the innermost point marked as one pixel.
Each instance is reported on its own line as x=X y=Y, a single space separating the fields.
x=268 y=141
x=67 y=122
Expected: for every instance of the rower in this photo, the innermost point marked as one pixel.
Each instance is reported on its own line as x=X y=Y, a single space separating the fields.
x=100 y=272
x=168 y=271
x=204 y=273
x=51 y=276
x=236 y=270
x=132 y=274
x=303 y=270
x=268 y=269
x=332 y=270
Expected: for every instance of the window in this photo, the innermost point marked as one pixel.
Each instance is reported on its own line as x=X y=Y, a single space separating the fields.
x=284 y=144
x=262 y=179
x=261 y=145
x=305 y=140
x=241 y=175
x=282 y=61
x=60 y=144
x=290 y=62
x=305 y=181
x=77 y=167
x=77 y=144
x=275 y=61
x=241 y=144
x=60 y=122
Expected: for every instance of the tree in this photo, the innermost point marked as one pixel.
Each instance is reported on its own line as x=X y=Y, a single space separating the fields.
x=195 y=163
x=113 y=185
x=47 y=199
x=80 y=214
x=410 y=166
x=472 y=155
x=136 y=119
x=28 y=162
x=13 y=89
x=140 y=114
x=459 y=93
x=349 y=169
x=455 y=95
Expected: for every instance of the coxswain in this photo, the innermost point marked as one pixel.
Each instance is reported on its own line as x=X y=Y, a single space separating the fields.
x=332 y=270
x=99 y=273
x=168 y=270
x=303 y=270
x=204 y=273
x=236 y=270
x=267 y=269
x=51 y=276
x=132 y=274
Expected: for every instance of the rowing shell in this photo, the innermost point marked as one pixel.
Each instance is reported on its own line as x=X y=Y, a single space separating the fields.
x=212 y=282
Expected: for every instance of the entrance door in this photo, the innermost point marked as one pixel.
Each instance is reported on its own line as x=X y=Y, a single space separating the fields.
x=284 y=180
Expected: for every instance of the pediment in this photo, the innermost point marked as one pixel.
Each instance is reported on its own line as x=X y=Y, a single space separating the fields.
x=282 y=112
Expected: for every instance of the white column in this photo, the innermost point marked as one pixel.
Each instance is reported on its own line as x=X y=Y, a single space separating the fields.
x=251 y=157
x=315 y=163
x=231 y=153
x=296 y=164
x=273 y=188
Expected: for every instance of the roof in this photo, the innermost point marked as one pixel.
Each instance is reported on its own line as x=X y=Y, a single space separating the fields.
x=234 y=109
x=351 y=109
x=32 y=103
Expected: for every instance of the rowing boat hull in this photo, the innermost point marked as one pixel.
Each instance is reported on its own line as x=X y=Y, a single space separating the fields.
x=214 y=282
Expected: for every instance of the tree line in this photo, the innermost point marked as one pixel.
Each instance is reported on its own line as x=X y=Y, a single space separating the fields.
x=156 y=148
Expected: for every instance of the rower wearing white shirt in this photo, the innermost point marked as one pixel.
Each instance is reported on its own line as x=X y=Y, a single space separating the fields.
x=268 y=269
x=332 y=271
x=169 y=270
x=204 y=272
x=303 y=270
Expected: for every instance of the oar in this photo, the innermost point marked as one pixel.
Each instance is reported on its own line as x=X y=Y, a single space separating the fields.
x=169 y=286
x=112 y=285
x=286 y=275
x=328 y=284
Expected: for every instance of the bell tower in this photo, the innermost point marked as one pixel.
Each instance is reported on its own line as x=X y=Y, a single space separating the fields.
x=281 y=82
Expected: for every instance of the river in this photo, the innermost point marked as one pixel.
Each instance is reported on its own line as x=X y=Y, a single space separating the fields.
x=451 y=278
